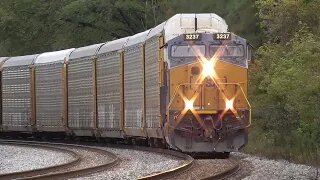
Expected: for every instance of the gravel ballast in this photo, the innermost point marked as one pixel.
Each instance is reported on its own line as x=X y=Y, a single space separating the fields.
x=254 y=167
x=205 y=168
x=89 y=158
x=134 y=164
x=20 y=158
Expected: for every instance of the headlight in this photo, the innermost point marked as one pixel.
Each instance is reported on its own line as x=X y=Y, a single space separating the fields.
x=208 y=68
x=229 y=104
x=188 y=104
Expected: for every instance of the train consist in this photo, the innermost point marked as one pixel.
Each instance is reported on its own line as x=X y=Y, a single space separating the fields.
x=182 y=83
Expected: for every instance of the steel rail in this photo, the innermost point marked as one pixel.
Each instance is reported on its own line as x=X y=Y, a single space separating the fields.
x=226 y=173
x=159 y=175
x=169 y=173
x=72 y=173
x=165 y=174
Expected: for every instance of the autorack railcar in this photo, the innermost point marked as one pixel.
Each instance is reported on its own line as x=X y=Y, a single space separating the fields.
x=182 y=83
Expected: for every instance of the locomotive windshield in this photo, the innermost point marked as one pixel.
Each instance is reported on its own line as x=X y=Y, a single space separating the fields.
x=227 y=47
x=231 y=53
x=227 y=50
x=187 y=50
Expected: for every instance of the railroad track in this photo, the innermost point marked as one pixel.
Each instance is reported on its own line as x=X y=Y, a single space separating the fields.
x=179 y=172
x=188 y=167
x=77 y=167
x=187 y=172
x=34 y=172
x=226 y=173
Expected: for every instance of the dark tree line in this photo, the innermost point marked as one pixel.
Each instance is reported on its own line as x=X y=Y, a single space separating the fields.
x=285 y=81
x=35 y=26
x=29 y=26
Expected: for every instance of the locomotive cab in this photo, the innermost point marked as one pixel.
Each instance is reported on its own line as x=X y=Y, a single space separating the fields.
x=208 y=109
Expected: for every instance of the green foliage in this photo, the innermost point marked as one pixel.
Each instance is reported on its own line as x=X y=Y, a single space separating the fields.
x=285 y=82
x=88 y=22
x=280 y=20
x=26 y=26
x=29 y=26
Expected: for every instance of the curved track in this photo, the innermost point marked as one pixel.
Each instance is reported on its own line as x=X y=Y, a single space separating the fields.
x=227 y=172
x=164 y=174
x=169 y=173
x=34 y=172
x=188 y=167
x=75 y=168
x=184 y=171
x=64 y=171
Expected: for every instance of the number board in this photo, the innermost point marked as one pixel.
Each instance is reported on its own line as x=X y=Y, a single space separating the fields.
x=222 y=36
x=192 y=37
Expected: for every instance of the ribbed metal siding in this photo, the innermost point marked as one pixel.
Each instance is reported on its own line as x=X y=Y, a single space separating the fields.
x=133 y=87
x=49 y=97
x=108 y=90
x=152 y=83
x=16 y=96
x=80 y=93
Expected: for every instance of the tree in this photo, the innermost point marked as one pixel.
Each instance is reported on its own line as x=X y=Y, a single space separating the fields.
x=31 y=27
x=285 y=81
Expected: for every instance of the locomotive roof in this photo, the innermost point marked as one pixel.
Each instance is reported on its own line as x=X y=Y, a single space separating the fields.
x=185 y=23
x=49 y=57
x=20 y=60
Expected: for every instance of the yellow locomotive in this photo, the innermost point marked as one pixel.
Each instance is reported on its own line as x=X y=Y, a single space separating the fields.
x=182 y=83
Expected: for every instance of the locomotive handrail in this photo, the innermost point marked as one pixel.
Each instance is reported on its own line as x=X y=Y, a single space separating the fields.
x=237 y=84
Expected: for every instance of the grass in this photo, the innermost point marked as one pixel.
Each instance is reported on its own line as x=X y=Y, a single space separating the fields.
x=292 y=148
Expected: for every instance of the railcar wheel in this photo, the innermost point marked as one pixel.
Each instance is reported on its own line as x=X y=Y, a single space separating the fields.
x=150 y=142
x=133 y=141
x=99 y=139
x=163 y=144
x=67 y=138
x=76 y=139
x=38 y=136
x=156 y=143
x=223 y=155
